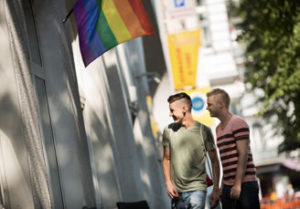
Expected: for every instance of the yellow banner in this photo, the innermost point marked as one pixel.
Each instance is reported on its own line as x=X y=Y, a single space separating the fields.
x=184 y=47
x=199 y=111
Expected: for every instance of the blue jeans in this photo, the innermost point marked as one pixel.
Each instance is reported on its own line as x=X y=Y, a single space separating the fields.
x=248 y=198
x=190 y=200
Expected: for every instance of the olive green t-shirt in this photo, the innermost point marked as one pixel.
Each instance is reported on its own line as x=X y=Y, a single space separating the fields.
x=187 y=155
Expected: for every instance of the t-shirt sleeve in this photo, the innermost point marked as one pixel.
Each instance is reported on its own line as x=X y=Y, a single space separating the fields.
x=209 y=139
x=166 y=137
x=240 y=130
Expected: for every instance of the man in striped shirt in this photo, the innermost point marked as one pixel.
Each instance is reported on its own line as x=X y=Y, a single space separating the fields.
x=240 y=187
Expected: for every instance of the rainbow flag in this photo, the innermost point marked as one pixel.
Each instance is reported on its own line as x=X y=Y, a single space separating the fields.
x=103 y=24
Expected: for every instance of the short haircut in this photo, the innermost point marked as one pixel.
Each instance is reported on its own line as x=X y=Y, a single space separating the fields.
x=179 y=96
x=224 y=95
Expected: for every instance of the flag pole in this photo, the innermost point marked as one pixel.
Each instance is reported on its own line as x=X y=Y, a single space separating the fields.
x=68 y=15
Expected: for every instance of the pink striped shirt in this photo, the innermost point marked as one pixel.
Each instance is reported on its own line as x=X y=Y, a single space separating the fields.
x=236 y=129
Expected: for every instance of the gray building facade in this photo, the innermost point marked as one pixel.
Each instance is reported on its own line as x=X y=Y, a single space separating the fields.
x=71 y=137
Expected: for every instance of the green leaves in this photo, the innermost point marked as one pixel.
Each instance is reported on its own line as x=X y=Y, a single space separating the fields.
x=271 y=31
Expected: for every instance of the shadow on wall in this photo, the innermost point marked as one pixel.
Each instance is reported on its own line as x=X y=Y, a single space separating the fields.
x=23 y=123
x=138 y=140
x=104 y=159
x=71 y=146
x=17 y=112
x=14 y=154
x=115 y=120
x=19 y=162
x=151 y=172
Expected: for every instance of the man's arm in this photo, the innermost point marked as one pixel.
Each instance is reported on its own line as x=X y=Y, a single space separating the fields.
x=172 y=191
x=214 y=200
x=242 y=148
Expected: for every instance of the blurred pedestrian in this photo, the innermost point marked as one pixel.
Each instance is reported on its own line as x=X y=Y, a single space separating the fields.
x=239 y=185
x=185 y=144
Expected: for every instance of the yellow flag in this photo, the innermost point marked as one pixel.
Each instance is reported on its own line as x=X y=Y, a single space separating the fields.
x=184 y=49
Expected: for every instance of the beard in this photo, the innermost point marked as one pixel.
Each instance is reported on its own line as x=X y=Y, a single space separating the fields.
x=178 y=120
x=212 y=114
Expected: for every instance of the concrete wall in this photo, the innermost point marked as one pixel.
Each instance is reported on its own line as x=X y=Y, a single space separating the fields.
x=22 y=163
x=69 y=136
x=124 y=158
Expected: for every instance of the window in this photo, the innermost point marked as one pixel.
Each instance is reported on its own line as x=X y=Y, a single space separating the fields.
x=38 y=78
x=204 y=22
x=48 y=142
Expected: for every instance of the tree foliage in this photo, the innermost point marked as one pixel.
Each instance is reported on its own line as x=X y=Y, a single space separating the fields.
x=271 y=31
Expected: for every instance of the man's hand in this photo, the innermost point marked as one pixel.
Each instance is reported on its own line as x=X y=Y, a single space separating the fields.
x=172 y=191
x=215 y=197
x=242 y=149
x=235 y=191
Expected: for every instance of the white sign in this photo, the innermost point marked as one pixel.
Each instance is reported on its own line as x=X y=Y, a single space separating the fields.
x=180 y=9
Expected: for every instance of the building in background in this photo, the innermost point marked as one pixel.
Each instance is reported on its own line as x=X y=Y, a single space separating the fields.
x=220 y=64
x=216 y=65
x=72 y=137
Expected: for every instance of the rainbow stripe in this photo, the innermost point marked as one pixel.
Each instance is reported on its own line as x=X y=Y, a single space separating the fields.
x=103 y=24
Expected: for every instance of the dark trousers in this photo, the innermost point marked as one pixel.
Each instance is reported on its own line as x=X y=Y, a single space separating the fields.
x=248 y=198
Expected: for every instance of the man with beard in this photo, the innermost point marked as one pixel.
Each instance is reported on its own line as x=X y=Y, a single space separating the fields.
x=185 y=144
x=240 y=187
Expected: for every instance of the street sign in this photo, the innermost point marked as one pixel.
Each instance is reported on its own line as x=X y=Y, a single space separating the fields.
x=180 y=9
x=179 y=3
